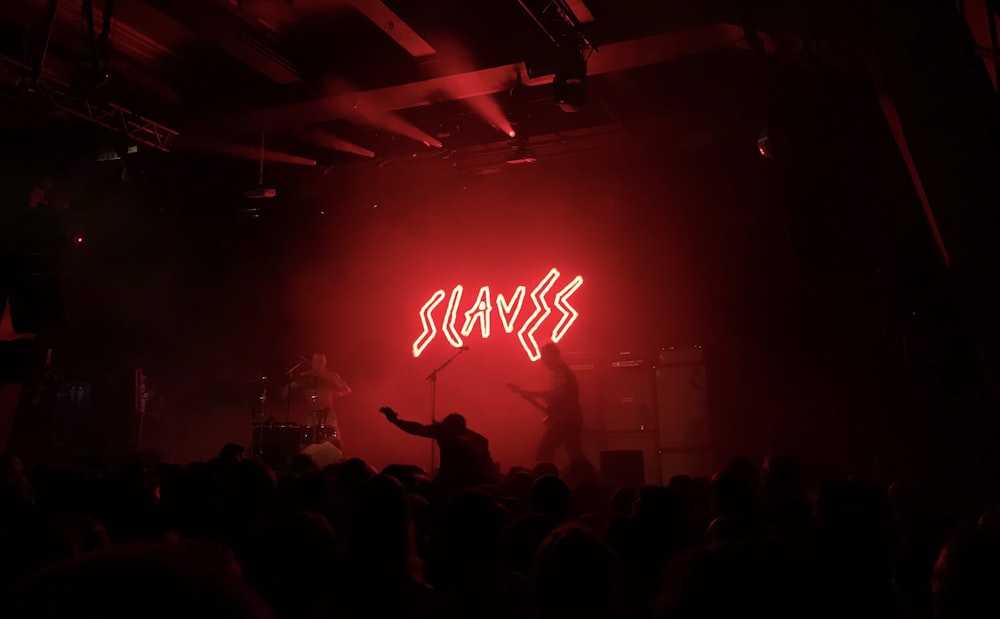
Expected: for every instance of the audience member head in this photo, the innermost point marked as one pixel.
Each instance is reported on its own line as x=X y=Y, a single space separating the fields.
x=782 y=474
x=545 y=468
x=293 y=563
x=231 y=452
x=302 y=464
x=966 y=581
x=350 y=476
x=551 y=355
x=472 y=528
x=85 y=534
x=658 y=505
x=550 y=497
x=248 y=488
x=404 y=474
x=160 y=580
x=574 y=576
x=684 y=486
x=380 y=534
x=587 y=497
x=454 y=424
x=990 y=520
x=622 y=501
x=734 y=491
x=854 y=511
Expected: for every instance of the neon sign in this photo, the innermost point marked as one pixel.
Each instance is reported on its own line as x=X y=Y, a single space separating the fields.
x=509 y=309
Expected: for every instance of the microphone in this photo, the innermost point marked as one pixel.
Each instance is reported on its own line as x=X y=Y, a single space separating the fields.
x=302 y=362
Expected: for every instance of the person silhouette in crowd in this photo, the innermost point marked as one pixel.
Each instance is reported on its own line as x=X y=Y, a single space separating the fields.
x=465 y=455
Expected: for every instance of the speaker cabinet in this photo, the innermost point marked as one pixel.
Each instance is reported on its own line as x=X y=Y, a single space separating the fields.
x=682 y=402
x=597 y=444
x=588 y=378
x=659 y=410
x=629 y=399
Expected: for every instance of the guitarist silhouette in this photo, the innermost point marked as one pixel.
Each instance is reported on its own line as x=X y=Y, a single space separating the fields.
x=561 y=405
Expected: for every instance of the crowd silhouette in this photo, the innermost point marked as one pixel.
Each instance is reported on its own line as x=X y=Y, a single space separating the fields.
x=232 y=538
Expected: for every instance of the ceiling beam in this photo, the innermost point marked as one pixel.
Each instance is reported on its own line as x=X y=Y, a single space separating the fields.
x=580 y=11
x=391 y=24
x=646 y=51
x=229 y=34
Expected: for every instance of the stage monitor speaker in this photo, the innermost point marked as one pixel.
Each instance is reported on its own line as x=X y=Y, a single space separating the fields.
x=682 y=404
x=623 y=467
x=596 y=444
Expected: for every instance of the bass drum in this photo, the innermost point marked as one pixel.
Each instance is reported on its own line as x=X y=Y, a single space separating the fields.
x=275 y=444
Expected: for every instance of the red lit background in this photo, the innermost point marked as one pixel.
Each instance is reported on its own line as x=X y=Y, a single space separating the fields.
x=830 y=326
x=634 y=225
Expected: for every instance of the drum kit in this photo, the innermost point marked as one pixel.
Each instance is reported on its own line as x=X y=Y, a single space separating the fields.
x=275 y=441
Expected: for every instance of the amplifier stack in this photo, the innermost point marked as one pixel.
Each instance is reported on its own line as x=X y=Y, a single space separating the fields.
x=645 y=416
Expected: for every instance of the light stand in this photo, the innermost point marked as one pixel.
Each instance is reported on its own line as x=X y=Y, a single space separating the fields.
x=432 y=377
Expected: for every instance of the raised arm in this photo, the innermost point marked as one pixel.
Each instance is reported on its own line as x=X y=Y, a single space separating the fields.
x=340 y=385
x=410 y=427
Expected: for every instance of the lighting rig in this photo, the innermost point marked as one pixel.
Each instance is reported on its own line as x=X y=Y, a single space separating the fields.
x=18 y=82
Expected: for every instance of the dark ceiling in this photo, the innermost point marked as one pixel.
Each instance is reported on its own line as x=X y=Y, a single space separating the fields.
x=337 y=81
x=340 y=81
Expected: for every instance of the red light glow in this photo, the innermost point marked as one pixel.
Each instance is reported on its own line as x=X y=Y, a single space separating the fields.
x=509 y=310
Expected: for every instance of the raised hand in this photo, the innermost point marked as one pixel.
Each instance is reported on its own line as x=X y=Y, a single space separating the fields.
x=388 y=412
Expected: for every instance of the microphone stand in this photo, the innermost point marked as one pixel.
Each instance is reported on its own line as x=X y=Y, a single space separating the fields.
x=433 y=378
x=288 y=398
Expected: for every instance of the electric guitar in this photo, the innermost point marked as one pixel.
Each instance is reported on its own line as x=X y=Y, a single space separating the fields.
x=531 y=400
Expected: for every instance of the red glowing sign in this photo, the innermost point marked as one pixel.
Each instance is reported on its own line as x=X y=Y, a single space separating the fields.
x=430 y=331
x=482 y=309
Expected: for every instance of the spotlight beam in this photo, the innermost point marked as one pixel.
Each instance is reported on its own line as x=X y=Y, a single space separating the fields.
x=333 y=142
